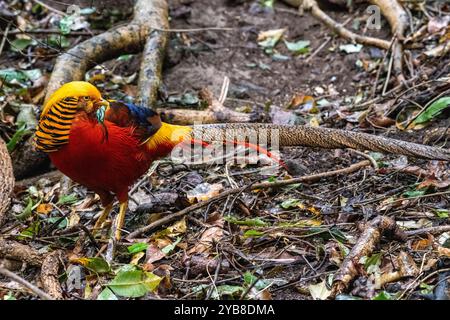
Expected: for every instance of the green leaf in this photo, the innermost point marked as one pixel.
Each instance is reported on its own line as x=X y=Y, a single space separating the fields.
x=167 y=249
x=107 y=294
x=58 y=41
x=124 y=57
x=17 y=137
x=299 y=47
x=433 y=110
x=61 y=225
x=134 y=284
x=33 y=74
x=249 y=279
x=280 y=57
x=290 y=203
x=68 y=199
x=351 y=48
x=255 y=222
x=266 y=3
x=12 y=74
x=137 y=247
x=9 y=296
x=229 y=290
x=18 y=45
x=373 y=260
x=413 y=193
x=27 y=211
x=272 y=179
x=87 y=10
x=253 y=234
x=66 y=23
x=31 y=231
x=383 y=295
x=426 y=288
x=94 y=264
x=442 y=213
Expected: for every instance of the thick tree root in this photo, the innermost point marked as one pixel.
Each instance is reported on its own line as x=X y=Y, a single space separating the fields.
x=130 y=38
x=6 y=180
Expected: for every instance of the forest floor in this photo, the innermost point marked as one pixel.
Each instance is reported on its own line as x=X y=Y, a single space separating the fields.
x=280 y=243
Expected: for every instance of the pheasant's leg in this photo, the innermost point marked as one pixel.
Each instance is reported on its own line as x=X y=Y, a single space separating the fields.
x=116 y=231
x=103 y=216
x=120 y=219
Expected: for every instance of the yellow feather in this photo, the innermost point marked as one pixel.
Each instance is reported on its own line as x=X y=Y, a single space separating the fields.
x=71 y=89
x=168 y=134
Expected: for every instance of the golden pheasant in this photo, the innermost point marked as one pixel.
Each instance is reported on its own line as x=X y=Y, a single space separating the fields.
x=108 y=145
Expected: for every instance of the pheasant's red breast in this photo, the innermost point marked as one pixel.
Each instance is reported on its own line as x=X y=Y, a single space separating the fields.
x=103 y=157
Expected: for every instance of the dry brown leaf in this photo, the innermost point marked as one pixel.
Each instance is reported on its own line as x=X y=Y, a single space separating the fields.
x=207 y=239
x=44 y=208
x=153 y=253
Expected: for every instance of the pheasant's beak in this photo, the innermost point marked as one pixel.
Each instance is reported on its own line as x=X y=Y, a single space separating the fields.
x=101 y=103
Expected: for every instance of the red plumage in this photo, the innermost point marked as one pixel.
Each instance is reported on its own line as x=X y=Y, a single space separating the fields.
x=102 y=162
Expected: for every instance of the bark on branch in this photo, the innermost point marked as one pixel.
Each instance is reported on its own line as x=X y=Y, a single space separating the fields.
x=6 y=179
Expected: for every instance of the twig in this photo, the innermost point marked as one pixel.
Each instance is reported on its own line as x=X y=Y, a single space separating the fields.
x=52 y=31
x=25 y=283
x=340 y=29
x=262 y=185
x=431 y=230
x=374 y=88
x=42 y=4
x=5 y=36
x=368 y=157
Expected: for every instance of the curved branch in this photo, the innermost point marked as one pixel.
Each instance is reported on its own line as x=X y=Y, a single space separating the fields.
x=312 y=6
x=130 y=38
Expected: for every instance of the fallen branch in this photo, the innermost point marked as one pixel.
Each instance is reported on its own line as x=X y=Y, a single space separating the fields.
x=49 y=275
x=17 y=251
x=262 y=185
x=391 y=10
x=25 y=283
x=365 y=245
x=313 y=7
x=215 y=113
x=430 y=230
x=6 y=180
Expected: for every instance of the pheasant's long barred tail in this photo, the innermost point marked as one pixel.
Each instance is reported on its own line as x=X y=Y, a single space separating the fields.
x=294 y=135
x=54 y=128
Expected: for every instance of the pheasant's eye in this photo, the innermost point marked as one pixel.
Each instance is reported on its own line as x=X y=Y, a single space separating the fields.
x=87 y=98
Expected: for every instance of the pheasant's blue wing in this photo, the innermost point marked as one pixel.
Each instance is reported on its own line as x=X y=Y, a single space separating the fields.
x=145 y=121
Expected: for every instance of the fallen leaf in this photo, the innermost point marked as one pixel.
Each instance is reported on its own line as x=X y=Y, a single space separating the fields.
x=44 y=208
x=351 y=48
x=319 y=291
